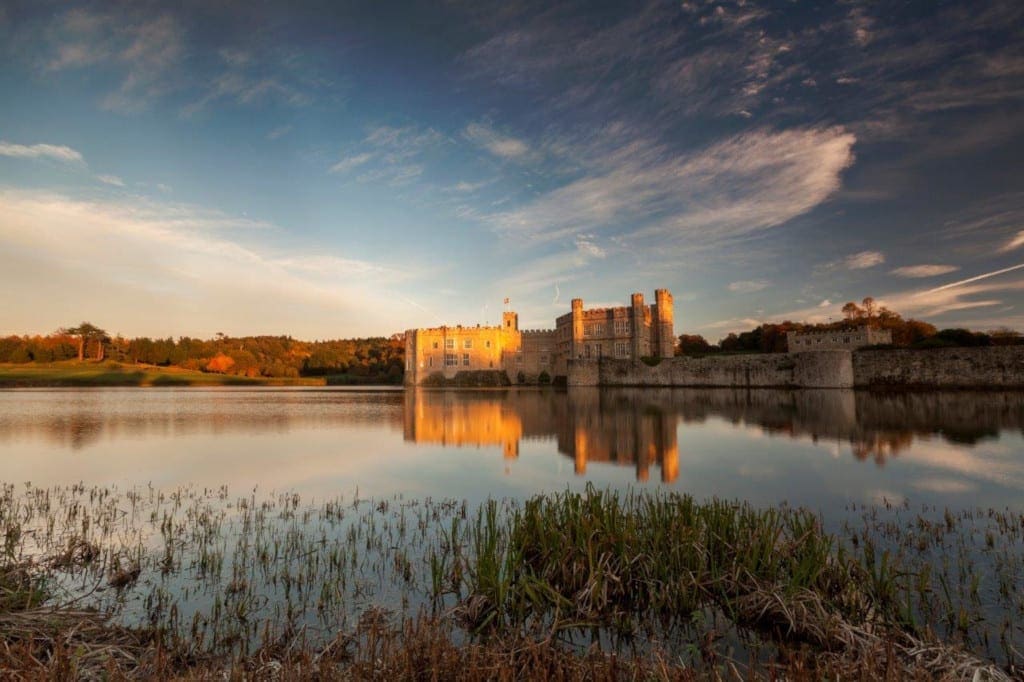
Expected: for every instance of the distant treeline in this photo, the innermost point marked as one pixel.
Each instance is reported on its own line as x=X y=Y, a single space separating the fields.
x=906 y=333
x=370 y=360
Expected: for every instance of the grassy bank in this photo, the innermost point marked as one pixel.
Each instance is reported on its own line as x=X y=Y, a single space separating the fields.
x=99 y=374
x=197 y=584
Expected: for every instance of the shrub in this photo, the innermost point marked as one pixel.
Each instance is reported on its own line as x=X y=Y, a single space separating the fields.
x=544 y=378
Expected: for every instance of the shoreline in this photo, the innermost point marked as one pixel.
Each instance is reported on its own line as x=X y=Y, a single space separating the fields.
x=92 y=374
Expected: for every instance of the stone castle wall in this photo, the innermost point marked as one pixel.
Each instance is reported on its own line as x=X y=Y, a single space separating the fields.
x=994 y=367
x=827 y=369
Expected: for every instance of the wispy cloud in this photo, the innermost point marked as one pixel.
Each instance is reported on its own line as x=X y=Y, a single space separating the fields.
x=748 y=286
x=152 y=56
x=587 y=243
x=861 y=260
x=143 y=51
x=279 y=132
x=53 y=152
x=464 y=186
x=250 y=77
x=350 y=162
x=175 y=268
x=643 y=192
x=921 y=271
x=503 y=146
x=1015 y=242
x=111 y=180
x=391 y=155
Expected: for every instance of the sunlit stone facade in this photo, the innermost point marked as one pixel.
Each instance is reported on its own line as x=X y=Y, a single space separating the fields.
x=625 y=332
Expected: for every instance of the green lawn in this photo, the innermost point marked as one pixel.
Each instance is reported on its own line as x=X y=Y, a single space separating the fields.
x=92 y=373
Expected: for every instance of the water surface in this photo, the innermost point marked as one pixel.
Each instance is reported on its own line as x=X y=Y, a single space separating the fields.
x=823 y=449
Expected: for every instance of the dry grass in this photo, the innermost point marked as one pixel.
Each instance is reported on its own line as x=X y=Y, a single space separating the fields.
x=79 y=645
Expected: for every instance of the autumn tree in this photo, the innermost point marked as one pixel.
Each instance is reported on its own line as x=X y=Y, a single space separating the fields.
x=220 y=364
x=86 y=332
x=852 y=311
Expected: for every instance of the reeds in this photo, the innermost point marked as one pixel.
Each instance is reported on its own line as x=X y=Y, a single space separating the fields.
x=581 y=585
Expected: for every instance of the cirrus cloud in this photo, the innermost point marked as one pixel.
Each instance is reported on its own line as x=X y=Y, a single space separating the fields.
x=643 y=192
x=921 y=271
x=54 y=152
x=748 y=286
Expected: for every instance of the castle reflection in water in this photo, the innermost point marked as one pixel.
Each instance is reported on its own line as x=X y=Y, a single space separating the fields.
x=638 y=427
x=590 y=427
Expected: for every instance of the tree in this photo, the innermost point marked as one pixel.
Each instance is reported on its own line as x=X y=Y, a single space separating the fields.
x=851 y=311
x=220 y=364
x=86 y=332
x=690 y=344
x=869 y=307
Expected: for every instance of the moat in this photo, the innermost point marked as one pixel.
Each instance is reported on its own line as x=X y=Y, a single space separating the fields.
x=233 y=519
x=822 y=449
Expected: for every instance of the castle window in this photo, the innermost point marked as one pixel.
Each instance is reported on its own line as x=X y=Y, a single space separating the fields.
x=621 y=327
x=543 y=359
x=487 y=344
x=468 y=343
x=621 y=349
x=430 y=362
x=519 y=357
x=449 y=344
x=451 y=360
x=465 y=359
x=435 y=345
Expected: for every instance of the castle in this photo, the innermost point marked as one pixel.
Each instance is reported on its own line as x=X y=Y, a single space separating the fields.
x=525 y=356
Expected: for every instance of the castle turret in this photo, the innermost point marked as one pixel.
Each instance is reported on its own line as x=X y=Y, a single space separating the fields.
x=663 y=340
x=637 y=349
x=576 y=347
x=510 y=321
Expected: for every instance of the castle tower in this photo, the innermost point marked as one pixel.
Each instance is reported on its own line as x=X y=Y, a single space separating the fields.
x=663 y=340
x=511 y=342
x=576 y=347
x=637 y=350
x=509 y=321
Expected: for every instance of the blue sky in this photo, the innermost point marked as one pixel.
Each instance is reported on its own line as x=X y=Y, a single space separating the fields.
x=345 y=169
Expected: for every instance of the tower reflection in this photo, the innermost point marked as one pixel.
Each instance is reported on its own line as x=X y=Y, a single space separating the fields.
x=588 y=425
x=639 y=427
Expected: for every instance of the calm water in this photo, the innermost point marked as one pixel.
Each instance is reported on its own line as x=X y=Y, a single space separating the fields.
x=207 y=552
x=822 y=449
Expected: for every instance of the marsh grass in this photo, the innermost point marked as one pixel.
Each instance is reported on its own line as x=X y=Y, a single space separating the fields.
x=592 y=585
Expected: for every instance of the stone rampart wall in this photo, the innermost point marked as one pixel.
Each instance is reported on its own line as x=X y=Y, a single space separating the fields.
x=823 y=369
x=993 y=367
